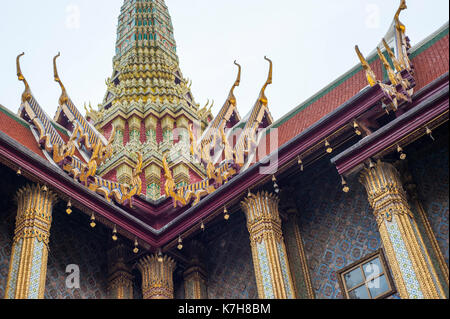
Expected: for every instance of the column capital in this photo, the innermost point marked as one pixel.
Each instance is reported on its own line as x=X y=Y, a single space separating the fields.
x=34 y=212
x=262 y=214
x=385 y=191
x=157 y=276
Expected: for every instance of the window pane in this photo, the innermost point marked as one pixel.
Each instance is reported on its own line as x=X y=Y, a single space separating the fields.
x=378 y=286
x=354 y=278
x=359 y=293
x=373 y=268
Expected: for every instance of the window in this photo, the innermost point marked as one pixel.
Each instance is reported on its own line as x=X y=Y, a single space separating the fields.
x=367 y=279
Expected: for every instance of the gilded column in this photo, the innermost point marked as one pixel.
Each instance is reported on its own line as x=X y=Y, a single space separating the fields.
x=296 y=251
x=120 y=279
x=28 y=265
x=195 y=277
x=157 y=277
x=414 y=275
x=422 y=219
x=273 y=275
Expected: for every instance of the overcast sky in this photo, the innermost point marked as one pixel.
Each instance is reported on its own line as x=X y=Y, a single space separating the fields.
x=310 y=42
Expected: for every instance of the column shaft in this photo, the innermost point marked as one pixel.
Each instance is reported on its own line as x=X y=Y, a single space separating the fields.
x=273 y=275
x=28 y=265
x=413 y=271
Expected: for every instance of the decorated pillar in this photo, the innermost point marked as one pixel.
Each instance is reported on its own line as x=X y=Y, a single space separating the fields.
x=134 y=124
x=414 y=275
x=181 y=175
x=273 y=276
x=296 y=251
x=157 y=277
x=119 y=124
x=28 y=265
x=151 y=123
x=182 y=126
x=195 y=275
x=167 y=126
x=153 y=180
x=120 y=279
x=124 y=174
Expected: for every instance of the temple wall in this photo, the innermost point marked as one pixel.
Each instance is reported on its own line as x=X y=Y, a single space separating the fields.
x=338 y=229
x=72 y=244
x=5 y=254
x=230 y=264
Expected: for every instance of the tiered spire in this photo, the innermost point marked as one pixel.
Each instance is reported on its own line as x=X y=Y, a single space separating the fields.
x=147 y=98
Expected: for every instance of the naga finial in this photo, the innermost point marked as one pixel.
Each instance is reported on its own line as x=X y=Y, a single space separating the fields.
x=27 y=93
x=400 y=26
x=63 y=99
x=262 y=96
x=371 y=77
x=231 y=97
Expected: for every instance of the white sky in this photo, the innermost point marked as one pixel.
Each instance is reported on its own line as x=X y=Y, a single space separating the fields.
x=310 y=42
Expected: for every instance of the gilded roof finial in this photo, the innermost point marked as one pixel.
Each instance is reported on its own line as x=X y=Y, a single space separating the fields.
x=231 y=97
x=27 y=93
x=262 y=96
x=64 y=98
x=371 y=77
x=400 y=26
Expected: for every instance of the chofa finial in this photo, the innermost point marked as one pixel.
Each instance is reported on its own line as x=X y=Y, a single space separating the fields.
x=27 y=93
x=64 y=96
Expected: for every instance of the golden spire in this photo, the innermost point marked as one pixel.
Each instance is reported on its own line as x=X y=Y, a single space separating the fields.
x=27 y=93
x=231 y=97
x=262 y=95
x=371 y=77
x=400 y=26
x=64 y=98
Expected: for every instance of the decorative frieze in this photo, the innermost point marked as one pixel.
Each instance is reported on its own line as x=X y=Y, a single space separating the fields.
x=124 y=174
x=28 y=266
x=153 y=180
x=273 y=275
x=413 y=272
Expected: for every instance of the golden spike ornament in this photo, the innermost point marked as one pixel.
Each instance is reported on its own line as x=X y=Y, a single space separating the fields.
x=27 y=93
x=64 y=97
x=231 y=98
x=371 y=77
x=387 y=66
x=262 y=96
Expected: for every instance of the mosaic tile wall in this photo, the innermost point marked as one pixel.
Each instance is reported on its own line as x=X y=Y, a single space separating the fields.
x=71 y=243
x=5 y=254
x=230 y=264
x=338 y=229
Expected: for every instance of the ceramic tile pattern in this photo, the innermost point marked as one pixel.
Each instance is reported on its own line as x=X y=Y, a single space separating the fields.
x=338 y=229
x=71 y=243
x=230 y=263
